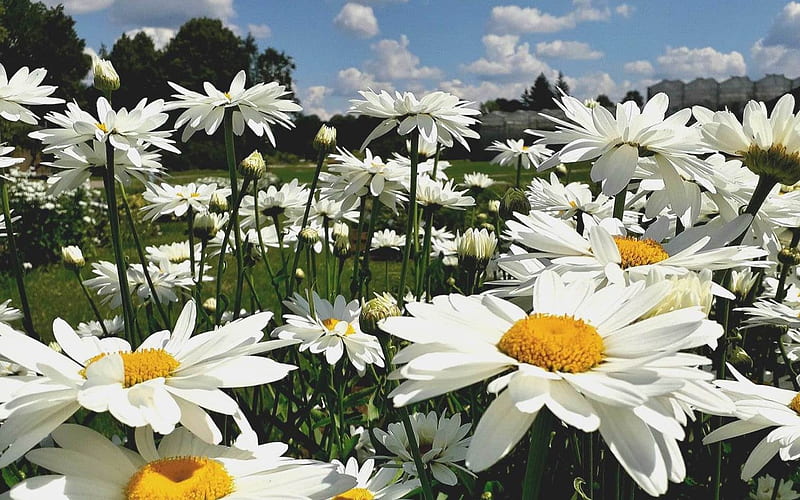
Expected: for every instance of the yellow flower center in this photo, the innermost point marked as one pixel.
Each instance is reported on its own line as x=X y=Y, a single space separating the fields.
x=525 y=148
x=355 y=494
x=227 y=95
x=142 y=365
x=634 y=252
x=331 y=323
x=177 y=478
x=194 y=195
x=102 y=126
x=555 y=343
x=795 y=404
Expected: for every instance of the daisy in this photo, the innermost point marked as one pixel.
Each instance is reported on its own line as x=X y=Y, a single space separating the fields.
x=87 y=465
x=8 y=313
x=477 y=180
x=382 y=485
x=770 y=312
x=388 y=238
x=436 y=194
x=768 y=145
x=475 y=247
x=8 y=161
x=114 y=326
x=332 y=329
x=172 y=377
x=761 y=407
x=580 y=352
x=176 y=200
x=438 y=116
x=328 y=209
x=565 y=201
x=382 y=180
x=515 y=152
x=258 y=107
x=24 y=89
x=617 y=142
x=441 y=440
x=130 y=131
x=765 y=489
x=176 y=252
x=423 y=167
x=77 y=163
x=608 y=253
x=288 y=200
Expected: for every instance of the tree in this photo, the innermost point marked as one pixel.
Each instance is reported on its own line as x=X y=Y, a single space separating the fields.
x=604 y=101
x=138 y=64
x=561 y=84
x=539 y=96
x=273 y=66
x=635 y=96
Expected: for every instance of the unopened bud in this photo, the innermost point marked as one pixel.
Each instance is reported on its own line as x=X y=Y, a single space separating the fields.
x=514 y=201
x=482 y=217
x=309 y=235
x=106 y=78
x=210 y=305
x=740 y=359
x=493 y=206
x=299 y=274
x=377 y=309
x=325 y=140
x=73 y=257
x=341 y=246
x=219 y=202
x=789 y=256
x=206 y=226
x=488 y=226
x=451 y=281
x=253 y=167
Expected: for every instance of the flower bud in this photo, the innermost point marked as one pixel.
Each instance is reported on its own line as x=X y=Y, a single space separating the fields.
x=789 y=256
x=475 y=248
x=377 y=309
x=493 y=206
x=210 y=305
x=253 y=167
x=325 y=140
x=299 y=274
x=514 y=201
x=206 y=225
x=340 y=229
x=740 y=359
x=106 y=78
x=72 y=257
x=309 y=235
x=219 y=202
x=482 y=217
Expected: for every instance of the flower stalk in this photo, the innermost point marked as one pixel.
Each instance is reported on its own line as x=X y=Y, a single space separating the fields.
x=27 y=319
x=412 y=217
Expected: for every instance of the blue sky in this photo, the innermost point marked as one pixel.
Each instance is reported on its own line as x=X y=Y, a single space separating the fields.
x=479 y=49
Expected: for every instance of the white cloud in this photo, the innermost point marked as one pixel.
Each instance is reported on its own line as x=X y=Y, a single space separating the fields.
x=259 y=31
x=776 y=59
x=785 y=29
x=394 y=61
x=169 y=12
x=314 y=101
x=80 y=6
x=625 y=10
x=350 y=80
x=160 y=36
x=358 y=20
x=640 y=67
x=567 y=50
x=707 y=62
x=506 y=58
x=591 y=85
x=516 y=19
x=484 y=91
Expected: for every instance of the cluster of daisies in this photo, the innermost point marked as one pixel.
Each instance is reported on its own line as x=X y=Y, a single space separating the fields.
x=637 y=306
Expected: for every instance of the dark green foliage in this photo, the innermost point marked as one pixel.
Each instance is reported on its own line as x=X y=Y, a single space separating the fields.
x=540 y=95
x=138 y=64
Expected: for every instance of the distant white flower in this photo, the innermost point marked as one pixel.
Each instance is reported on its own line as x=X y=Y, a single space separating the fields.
x=8 y=161
x=88 y=465
x=441 y=440
x=765 y=489
x=432 y=193
x=24 y=89
x=258 y=107
x=388 y=238
x=423 y=167
x=514 y=151
x=8 y=313
x=477 y=180
x=288 y=200
x=563 y=201
x=438 y=116
x=167 y=199
x=382 y=485
x=130 y=131
x=332 y=329
x=476 y=246
x=176 y=252
x=373 y=176
x=114 y=326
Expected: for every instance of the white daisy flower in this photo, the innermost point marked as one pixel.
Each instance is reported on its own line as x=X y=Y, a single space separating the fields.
x=171 y=378
x=476 y=246
x=288 y=200
x=373 y=176
x=433 y=193
x=565 y=201
x=130 y=131
x=477 y=180
x=770 y=312
x=441 y=441
x=382 y=485
x=514 y=151
x=438 y=116
x=24 y=89
x=176 y=200
x=87 y=465
x=765 y=489
x=175 y=252
x=388 y=238
x=331 y=328
x=423 y=167
x=761 y=407
x=113 y=327
x=77 y=163
x=8 y=313
x=617 y=142
x=258 y=107
x=331 y=210
x=582 y=353
x=7 y=161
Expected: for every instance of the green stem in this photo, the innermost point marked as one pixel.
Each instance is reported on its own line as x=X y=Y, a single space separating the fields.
x=142 y=260
x=427 y=213
x=537 y=455
x=519 y=170
x=237 y=201
x=422 y=472
x=88 y=296
x=296 y=260
x=230 y=156
x=619 y=204
x=116 y=242
x=361 y=219
x=412 y=206
x=364 y=277
x=327 y=255
x=27 y=319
